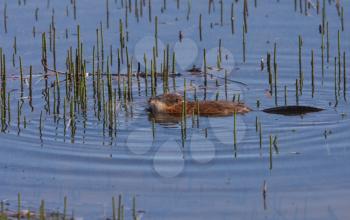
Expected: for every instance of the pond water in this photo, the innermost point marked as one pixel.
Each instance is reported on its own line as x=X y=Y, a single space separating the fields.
x=104 y=145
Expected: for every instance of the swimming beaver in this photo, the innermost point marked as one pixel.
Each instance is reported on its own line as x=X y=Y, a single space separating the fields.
x=172 y=104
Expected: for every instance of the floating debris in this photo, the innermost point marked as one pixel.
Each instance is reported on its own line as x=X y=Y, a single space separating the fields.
x=194 y=69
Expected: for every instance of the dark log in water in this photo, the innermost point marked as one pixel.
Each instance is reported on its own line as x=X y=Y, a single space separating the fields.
x=292 y=110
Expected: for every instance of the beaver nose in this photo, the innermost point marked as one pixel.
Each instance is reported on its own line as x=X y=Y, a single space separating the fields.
x=150 y=104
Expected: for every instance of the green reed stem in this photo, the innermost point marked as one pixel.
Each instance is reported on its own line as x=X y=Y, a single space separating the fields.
x=120 y=207
x=342 y=18
x=113 y=208
x=260 y=135
x=328 y=47
x=149 y=11
x=335 y=80
x=312 y=73
x=344 y=74
x=275 y=70
x=301 y=74
x=200 y=27
x=134 y=214
x=339 y=58
x=297 y=91
x=64 y=207
x=107 y=13
x=285 y=95
x=19 y=206
x=174 y=63
x=42 y=215
x=5 y=17
x=322 y=55
x=232 y=18
x=270 y=152
x=245 y=14
x=221 y=13
x=235 y=131
x=205 y=66
x=156 y=34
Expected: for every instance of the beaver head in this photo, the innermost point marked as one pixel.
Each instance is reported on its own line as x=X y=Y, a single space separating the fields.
x=161 y=103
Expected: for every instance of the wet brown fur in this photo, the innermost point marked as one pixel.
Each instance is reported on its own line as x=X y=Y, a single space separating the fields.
x=172 y=104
